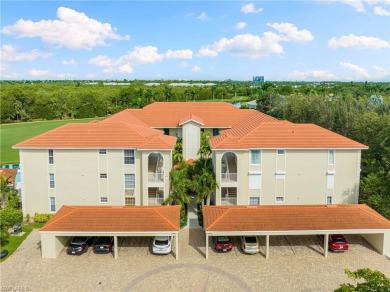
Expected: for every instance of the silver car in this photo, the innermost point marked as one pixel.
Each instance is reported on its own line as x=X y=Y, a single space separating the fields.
x=162 y=245
x=250 y=244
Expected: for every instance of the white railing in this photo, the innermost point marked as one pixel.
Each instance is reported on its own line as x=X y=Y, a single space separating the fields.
x=155 y=201
x=229 y=201
x=228 y=176
x=156 y=177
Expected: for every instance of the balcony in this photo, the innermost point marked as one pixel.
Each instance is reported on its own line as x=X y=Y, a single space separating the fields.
x=229 y=201
x=155 y=177
x=228 y=177
x=155 y=201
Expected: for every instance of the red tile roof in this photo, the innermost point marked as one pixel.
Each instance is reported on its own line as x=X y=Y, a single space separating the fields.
x=171 y=114
x=284 y=218
x=9 y=173
x=115 y=219
x=281 y=135
x=101 y=135
x=189 y=118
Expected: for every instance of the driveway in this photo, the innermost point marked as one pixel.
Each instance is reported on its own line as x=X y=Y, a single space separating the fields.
x=295 y=264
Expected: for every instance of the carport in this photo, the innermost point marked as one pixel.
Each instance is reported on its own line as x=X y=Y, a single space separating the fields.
x=108 y=221
x=298 y=220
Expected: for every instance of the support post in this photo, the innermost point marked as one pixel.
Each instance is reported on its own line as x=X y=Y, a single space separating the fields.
x=177 y=246
x=267 y=246
x=207 y=246
x=326 y=240
x=115 y=247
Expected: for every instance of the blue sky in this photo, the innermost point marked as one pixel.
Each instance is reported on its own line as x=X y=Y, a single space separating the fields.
x=196 y=40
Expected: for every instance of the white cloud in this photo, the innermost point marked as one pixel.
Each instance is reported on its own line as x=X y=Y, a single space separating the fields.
x=183 y=64
x=245 y=45
x=91 y=76
x=289 y=32
x=6 y=72
x=11 y=53
x=196 y=69
x=202 y=16
x=68 y=62
x=381 y=11
x=138 y=56
x=357 y=4
x=178 y=54
x=315 y=75
x=250 y=8
x=381 y=73
x=361 y=72
x=37 y=73
x=241 y=25
x=72 y=29
x=358 y=42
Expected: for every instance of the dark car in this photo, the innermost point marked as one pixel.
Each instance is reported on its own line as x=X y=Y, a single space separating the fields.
x=222 y=243
x=104 y=244
x=337 y=242
x=17 y=228
x=3 y=253
x=79 y=245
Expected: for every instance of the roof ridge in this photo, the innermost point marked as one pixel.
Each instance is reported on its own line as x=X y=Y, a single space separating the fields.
x=226 y=210
x=165 y=218
x=72 y=210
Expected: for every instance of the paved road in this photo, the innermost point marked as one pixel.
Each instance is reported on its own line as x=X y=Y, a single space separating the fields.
x=291 y=267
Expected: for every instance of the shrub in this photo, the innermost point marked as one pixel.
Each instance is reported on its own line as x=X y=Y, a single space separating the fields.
x=8 y=217
x=42 y=218
x=183 y=217
x=200 y=216
x=13 y=201
x=28 y=218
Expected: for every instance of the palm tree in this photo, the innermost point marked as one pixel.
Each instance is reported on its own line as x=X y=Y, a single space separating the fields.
x=203 y=181
x=5 y=189
x=180 y=183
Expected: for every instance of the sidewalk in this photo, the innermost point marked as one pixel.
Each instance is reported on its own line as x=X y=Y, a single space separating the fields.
x=192 y=215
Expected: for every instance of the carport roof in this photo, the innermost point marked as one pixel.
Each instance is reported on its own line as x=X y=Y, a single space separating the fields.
x=115 y=219
x=284 y=218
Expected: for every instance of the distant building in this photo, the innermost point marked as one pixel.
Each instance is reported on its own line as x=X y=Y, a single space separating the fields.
x=258 y=78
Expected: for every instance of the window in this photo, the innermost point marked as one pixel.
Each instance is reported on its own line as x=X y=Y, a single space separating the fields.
x=254 y=201
x=129 y=181
x=254 y=181
x=279 y=200
x=215 y=131
x=51 y=180
x=51 y=156
x=255 y=157
x=103 y=175
x=166 y=131
x=331 y=157
x=129 y=201
x=129 y=156
x=103 y=200
x=330 y=181
x=52 y=204
x=102 y=151
x=280 y=151
x=329 y=200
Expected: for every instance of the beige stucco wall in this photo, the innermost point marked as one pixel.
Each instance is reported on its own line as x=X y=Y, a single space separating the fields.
x=305 y=180
x=52 y=245
x=77 y=177
x=381 y=242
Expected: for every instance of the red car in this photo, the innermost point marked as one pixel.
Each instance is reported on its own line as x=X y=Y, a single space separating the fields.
x=337 y=242
x=222 y=243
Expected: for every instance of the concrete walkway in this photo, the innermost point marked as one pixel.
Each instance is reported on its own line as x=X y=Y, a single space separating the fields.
x=193 y=215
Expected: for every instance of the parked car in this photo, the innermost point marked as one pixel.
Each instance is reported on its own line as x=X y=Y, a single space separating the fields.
x=3 y=253
x=222 y=243
x=17 y=228
x=162 y=245
x=250 y=244
x=337 y=242
x=103 y=244
x=79 y=245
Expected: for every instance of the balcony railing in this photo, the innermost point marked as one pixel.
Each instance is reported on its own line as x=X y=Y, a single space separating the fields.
x=156 y=177
x=227 y=176
x=229 y=201
x=155 y=201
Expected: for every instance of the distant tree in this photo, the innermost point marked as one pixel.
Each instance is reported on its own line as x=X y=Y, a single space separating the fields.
x=204 y=150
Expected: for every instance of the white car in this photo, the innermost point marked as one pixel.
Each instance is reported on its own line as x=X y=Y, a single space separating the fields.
x=162 y=245
x=250 y=244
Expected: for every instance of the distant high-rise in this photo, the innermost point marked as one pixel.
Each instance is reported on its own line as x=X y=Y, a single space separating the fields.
x=258 y=78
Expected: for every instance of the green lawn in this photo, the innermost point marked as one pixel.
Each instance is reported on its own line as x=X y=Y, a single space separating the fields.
x=12 y=134
x=15 y=241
